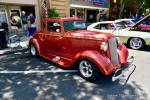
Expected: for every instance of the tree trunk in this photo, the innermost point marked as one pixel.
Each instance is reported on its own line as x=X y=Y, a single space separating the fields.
x=122 y=9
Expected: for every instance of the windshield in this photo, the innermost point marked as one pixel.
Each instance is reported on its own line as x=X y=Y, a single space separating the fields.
x=130 y=22
x=69 y=25
x=120 y=25
x=124 y=24
x=133 y=21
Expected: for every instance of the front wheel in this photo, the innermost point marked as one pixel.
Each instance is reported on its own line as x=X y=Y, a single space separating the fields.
x=33 y=50
x=88 y=70
x=136 y=43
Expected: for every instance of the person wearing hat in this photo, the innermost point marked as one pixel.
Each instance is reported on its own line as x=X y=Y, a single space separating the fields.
x=24 y=21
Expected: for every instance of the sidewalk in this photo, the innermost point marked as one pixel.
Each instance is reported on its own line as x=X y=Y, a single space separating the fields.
x=16 y=46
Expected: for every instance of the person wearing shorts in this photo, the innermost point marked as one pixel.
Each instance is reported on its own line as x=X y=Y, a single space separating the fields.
x=24 y=21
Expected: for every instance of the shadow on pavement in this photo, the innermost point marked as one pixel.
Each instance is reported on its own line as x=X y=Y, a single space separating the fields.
x=146 y=48
x=23 y=61
x=65 y=86
x=60 y=86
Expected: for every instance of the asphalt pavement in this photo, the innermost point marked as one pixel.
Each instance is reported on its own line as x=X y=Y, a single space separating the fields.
x=23 y=77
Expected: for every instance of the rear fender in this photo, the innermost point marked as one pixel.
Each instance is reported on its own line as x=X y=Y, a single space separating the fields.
x=102 y=62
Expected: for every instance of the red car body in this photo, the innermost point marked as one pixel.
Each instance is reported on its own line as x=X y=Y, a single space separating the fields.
x=67 y=47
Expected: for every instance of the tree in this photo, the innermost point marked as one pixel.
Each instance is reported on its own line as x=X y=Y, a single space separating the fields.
x=123 y=3
x=139 y=3
x=52 y=13
x=146 y=4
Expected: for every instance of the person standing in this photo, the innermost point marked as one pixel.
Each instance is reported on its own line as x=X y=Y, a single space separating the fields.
x=31 y=25
x=24 y=21
x=6 y=30
x=31 y=19
x=14 y=24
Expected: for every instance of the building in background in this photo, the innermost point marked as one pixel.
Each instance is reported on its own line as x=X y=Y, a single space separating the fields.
x=61 y=6
x=90 y=10
x=15 y=7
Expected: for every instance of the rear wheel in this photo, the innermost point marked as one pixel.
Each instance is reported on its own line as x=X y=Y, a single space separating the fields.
x=88 y=70
x=136 y=43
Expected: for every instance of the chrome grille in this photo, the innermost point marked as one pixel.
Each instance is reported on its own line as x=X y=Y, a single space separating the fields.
x=113 y=50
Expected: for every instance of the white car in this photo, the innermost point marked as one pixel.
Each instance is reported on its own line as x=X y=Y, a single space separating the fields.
x=128 y=22
x=135 y=37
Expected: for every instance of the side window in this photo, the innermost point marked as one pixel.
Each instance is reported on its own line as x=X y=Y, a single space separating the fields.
x=110 y=26
x=101 y=27
x=97 y=26
x=54 y=27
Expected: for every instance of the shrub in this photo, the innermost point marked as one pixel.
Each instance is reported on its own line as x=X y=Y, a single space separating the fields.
x=52 y=13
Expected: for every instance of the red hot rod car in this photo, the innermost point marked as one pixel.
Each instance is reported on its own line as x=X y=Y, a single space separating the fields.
x=65 y=41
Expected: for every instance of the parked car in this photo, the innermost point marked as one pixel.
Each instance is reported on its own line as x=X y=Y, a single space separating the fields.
x=126 y=21
x=131 y=22
x=136 y=37
x=65 y=41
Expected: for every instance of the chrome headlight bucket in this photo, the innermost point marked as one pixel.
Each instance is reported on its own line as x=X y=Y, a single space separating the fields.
x=104 y=46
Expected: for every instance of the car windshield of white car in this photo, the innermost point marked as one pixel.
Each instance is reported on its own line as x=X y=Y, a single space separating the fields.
x=69 y=25
x=121 y=25
x=133 y=21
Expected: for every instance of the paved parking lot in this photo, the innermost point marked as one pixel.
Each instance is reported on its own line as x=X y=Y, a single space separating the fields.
x=23 y=77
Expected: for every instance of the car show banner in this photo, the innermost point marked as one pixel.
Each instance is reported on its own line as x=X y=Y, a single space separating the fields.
x=97 y=3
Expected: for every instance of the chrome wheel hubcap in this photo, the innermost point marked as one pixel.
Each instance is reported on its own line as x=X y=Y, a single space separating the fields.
x=136 y=43
x=85 y=69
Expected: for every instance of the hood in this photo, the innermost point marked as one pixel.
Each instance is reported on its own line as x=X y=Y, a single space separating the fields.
x=142 y=20
x=78 y=33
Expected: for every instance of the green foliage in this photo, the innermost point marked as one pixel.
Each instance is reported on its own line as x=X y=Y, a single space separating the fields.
x=141 y=4
x=52 y=13
x=125 y=1
x=146 y=4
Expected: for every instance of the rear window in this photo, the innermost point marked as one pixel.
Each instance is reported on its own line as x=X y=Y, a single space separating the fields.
x=54 y=27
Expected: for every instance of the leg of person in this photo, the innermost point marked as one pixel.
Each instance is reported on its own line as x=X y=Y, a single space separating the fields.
x=25 y=29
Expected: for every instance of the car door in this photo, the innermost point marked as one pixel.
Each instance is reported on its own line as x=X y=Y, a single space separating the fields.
x=55 y=42
x=53 y=39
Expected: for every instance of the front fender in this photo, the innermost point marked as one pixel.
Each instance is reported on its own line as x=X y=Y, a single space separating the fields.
x=123 y=53
x=103 y=62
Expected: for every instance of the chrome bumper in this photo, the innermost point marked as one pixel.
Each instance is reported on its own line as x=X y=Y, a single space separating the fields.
x=125 y=71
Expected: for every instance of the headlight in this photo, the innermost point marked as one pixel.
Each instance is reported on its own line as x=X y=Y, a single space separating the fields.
x=104 y=46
